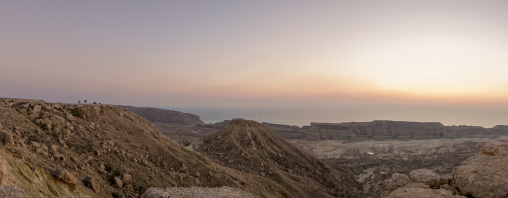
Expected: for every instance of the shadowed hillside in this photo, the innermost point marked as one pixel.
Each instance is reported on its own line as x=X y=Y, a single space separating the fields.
x=251 y=147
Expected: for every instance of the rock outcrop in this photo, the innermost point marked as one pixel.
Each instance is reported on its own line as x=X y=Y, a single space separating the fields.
x=418 y=190
x=397 y=180
x=383 y=129
x=65 y=176
x=425 y=176
x=421 y=183
x=484 y=174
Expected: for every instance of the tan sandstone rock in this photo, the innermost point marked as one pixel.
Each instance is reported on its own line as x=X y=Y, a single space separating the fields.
x=397 y=180
x=484 y=174
x=425 y=176
x=65 y=176
x=495 y=148
x=37 y=108
x=93 y=184
x=127 y=178
x=118 y=182
x=6 y=138
x=419 y=190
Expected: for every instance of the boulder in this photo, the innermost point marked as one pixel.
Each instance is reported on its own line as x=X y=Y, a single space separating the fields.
x=6 y=138
x=484 y=174
x=127 y=178
x=419 y=190
x=57 y=107
x=425 y=176
x=93 y=184
x=397 y=180
x=445 y=179
x=70 y=117
x=446 y=187
x=37 y=109
x=65 y=176
x=118 y=182
x=495 y=148
x=48 y=108
x=12 y=192
x=36 y=144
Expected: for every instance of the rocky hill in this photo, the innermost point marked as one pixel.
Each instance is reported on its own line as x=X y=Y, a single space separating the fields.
x=57 y=150
x=250 y=146
x=165 y=116
x=178 y=126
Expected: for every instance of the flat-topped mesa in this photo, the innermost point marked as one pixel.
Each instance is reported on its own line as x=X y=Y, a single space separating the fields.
x=384 y=129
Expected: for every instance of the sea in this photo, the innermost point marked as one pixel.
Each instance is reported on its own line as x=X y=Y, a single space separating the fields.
x=302 y=116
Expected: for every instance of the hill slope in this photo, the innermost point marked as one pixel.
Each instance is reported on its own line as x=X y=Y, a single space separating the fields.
x=251 y=147
x=165 y=116
x=104 y=151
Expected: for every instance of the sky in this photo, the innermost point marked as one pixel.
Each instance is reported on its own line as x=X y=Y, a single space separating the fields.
x=257 y=53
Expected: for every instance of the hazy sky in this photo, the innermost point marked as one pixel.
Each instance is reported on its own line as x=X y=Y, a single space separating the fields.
x=256 y=53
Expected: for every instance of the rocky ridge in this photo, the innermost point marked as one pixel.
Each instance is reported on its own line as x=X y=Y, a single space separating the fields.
x=178 y=126
x=250 y=146
x=94 y=150
x=165 y=116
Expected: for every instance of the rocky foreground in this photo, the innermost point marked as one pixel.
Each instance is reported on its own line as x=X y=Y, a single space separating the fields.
x=483 y=175
x=95 y=150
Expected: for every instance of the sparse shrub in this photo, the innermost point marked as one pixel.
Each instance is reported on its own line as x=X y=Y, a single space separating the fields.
x=76 y=112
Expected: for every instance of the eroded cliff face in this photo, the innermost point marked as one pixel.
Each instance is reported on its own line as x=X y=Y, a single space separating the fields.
x=382 y=130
